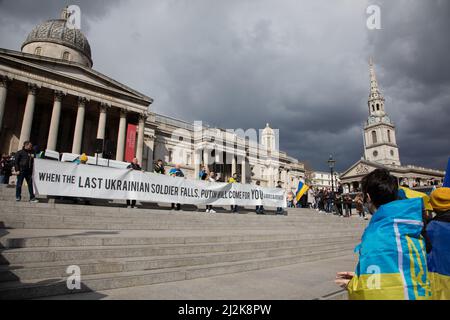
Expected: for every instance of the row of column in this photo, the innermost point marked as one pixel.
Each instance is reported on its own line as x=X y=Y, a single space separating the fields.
x=79 y=123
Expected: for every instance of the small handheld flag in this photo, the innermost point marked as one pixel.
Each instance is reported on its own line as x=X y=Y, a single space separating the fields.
x=302 y=188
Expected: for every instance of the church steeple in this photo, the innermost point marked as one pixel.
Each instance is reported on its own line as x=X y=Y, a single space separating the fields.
x=376 y=99
x=379 y=132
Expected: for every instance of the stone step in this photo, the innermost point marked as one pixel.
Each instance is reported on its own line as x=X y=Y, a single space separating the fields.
x=115 y=213
x=155 y=222
x=52 y=287
x=32 y=271
x=31 y=221
x=120 y=205
x=68 y=240
x=29 y=255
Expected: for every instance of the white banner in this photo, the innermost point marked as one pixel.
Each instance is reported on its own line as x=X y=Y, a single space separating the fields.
x=53 y=178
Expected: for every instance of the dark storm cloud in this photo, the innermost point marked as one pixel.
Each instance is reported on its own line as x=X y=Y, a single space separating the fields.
x=299 y=65
x=412 y=53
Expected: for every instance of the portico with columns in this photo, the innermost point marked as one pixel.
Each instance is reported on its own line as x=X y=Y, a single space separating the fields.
x=62 y=104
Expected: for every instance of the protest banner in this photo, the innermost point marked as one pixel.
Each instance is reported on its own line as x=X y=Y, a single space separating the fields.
x=53 y=178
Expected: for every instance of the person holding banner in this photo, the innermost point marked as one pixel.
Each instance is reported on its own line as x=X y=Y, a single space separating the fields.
x=176 y=172
x=24 y=168
x=203 y=175
x=234 y=179
x=212 y=177
x=280 y=210
x=134 y=165
x=159 y=167
x=259 y=209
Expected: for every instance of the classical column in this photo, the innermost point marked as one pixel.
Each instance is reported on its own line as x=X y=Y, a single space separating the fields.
x=206 y=159
x=122 y=135
x=78 y=135
x=54 y=123
x=102 y=124
x=27 y=121
x=150 y=153
x=233 y=165
x=140 y=139
x=4 y=82
x=197 y=162
x=244 y=171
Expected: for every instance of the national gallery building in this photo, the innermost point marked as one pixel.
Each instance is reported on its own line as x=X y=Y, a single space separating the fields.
x=50 y=95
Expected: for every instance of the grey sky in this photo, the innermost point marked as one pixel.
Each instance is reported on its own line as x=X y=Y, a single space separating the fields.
x=299 y=65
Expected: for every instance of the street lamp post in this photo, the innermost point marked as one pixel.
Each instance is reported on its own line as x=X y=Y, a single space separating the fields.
x=331 y=163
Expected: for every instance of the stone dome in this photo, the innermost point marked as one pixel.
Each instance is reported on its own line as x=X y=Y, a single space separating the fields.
x=56 y=32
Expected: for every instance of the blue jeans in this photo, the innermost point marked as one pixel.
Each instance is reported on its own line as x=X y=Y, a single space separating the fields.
x=28 y=177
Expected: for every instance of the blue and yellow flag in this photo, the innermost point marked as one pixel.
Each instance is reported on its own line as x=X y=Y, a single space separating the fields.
x=406 y=193
x=447 y=175
x=302 y=188
x=438 y=233
x=392 y=256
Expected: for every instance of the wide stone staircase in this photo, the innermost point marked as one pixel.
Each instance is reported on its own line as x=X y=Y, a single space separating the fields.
x=116 y=247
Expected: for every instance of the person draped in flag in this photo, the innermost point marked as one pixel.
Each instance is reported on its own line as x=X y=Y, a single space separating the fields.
x=438 y=236
x=392 y=256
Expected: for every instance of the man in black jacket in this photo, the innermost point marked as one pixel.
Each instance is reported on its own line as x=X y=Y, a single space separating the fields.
x=24 y=169
x=134 y=165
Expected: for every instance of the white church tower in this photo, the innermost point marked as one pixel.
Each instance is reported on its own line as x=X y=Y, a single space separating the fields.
x=380 y=144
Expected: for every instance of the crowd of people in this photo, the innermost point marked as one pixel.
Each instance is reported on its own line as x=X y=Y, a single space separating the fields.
x=328 y=201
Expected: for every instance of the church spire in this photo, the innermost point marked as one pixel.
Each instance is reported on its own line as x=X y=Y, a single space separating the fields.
x=374 y=90
x=376 y=99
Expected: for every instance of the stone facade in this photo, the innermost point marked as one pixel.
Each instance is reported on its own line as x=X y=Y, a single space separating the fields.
x=50 y=94
x=380 y=144
x=321 y=179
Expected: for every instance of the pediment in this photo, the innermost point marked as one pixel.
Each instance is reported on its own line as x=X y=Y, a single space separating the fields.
x=70 y=72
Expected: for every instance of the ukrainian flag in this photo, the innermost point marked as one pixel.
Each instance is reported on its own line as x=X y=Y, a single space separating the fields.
x=438 y=233
x=392 y=256
x=302 y=188
x=406 y=193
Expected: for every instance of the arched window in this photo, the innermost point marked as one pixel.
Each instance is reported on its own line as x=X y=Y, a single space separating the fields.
x=66 y=56
x=373 y=108
x=38 y=51
x=374 y=137
x=389 y=135
x=378 y=107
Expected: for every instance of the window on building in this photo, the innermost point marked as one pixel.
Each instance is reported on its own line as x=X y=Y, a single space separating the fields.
x=375 y=153
x=392 y=152
x=378 y=107
x=66 y=56
x=374 y=137
x=38 y=51
x=389 y=135
x=170 y=156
